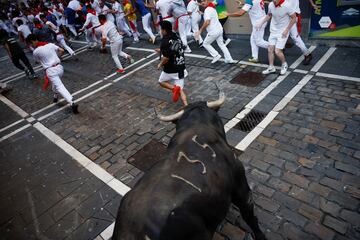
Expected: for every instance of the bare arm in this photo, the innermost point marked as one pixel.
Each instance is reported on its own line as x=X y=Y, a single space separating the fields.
x=236 y=14
x=204 y=26
x=266 y=19
x=291 y=24
x=103 y=42
x=314 y=6
x=61 y=51
x=164 y=60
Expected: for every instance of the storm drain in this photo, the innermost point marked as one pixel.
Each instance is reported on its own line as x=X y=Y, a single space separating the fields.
x=250 y=121
x=248 y=78
x=148 y=156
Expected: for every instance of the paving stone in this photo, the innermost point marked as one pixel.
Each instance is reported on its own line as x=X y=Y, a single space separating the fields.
x=267 y=204
x=268 y=192
x=271 y=221
x=342 y=200
x=353 y=191
x=278 y=184
x=287 y=201
x=320 y=231
x=306 y=162
x=329 y=207
x=336 y=185
x=296 y=179
x=293 y=232
x=301 y=194
x=311 y=213
x=293 y=217
x=65 y=226
x=274 y=171
x=319 y=189
x=351 y=217
x=259 y=175
x=335 y=224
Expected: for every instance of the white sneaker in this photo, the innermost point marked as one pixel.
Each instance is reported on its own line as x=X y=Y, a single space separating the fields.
x=187 y=50
x=227 y=41
x=217 y=58
x=270 y=69
x=253 y=60
x=284 y=68
x=230 y=61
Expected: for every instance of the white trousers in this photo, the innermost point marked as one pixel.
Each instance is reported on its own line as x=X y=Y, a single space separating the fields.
x=72 y=29
x=295 y=36
x=257 y=40
x=116 y=51
x=146 y=25
x=210 y=38
x=93 y=37
x=54 y=74
x=195 y=21
x=61 y=40
x=184 y=28
x=122 y=26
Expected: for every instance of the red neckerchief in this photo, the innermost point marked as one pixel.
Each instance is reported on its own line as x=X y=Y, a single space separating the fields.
x=46 y=80
x=280 y=3
x=211 y=5
x=38 y=26
x=92 y=11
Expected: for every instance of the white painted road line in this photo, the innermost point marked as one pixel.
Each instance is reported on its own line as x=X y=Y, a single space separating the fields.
x=301 y=58
x=11 y=125
x=248 y=139
x=95 y=169
x=324 y=58
x=334 y=76
x=14 y=132
x=248 y=107
x=10 y=104
x=108 y=232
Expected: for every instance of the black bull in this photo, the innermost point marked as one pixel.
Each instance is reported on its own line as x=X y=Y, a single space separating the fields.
x=187 y=195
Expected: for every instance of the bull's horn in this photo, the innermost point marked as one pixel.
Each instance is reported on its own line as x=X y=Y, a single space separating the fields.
x=169 y=118
x=219 y=102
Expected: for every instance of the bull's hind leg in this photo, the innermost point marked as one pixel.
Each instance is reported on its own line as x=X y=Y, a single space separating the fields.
x=242 y=198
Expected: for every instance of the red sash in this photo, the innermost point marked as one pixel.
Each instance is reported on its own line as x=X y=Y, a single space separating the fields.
x=46 y=80
x=298 y=25
x=177 y=21
x=280 y=3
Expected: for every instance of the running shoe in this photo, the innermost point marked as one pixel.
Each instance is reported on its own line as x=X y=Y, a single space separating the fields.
x=270 y=69
x=307 y=59
x=230 y=61
x=217 y=58
x=176 y=93
x=120 y=70
x=253 y=60
x=227 y=41
x=187 y=50
x=284 y=68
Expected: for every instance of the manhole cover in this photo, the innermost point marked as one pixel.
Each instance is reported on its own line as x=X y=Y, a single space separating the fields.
x=250 y=121
x=148 y=156
x=250 y=79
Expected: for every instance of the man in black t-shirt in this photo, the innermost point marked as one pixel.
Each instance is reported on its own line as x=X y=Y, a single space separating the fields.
x=172 y=63
x=16 y=54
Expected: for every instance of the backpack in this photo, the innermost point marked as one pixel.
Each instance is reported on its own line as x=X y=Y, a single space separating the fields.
x=177 y=49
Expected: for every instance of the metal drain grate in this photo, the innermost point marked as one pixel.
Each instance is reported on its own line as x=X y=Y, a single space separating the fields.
x=250 y=121
x=250 y=79
x=148 y=156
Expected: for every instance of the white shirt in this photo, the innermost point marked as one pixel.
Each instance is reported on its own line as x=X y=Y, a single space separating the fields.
x=91 y=18
x=256 y=10
x=24 y=29
x=193 y=8
x=177 y=8
x=214 y=26
x=74 y=5
x=52 y=27
x=163 y=6
x=47 y=55
x=296 y=5
x=117 y=7
x=280 y=17
x=110 y=31
x=96 y=6
x=106 y=11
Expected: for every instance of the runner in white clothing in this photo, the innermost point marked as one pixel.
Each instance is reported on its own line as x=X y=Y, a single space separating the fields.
x=110 y=32
x=59 y=35
x=296 y=30
x=283 y=18
x=92 y=27
x=47 y=55
x=256 y=10
x=182 y=21
x=195 y=18
x=163 y=9
x=214 y=32
x=96 y=5
x=23 y=30
x=105 y=10
x=120 y=18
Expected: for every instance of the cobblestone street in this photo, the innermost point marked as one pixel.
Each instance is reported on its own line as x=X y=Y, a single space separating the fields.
x=63 y=175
